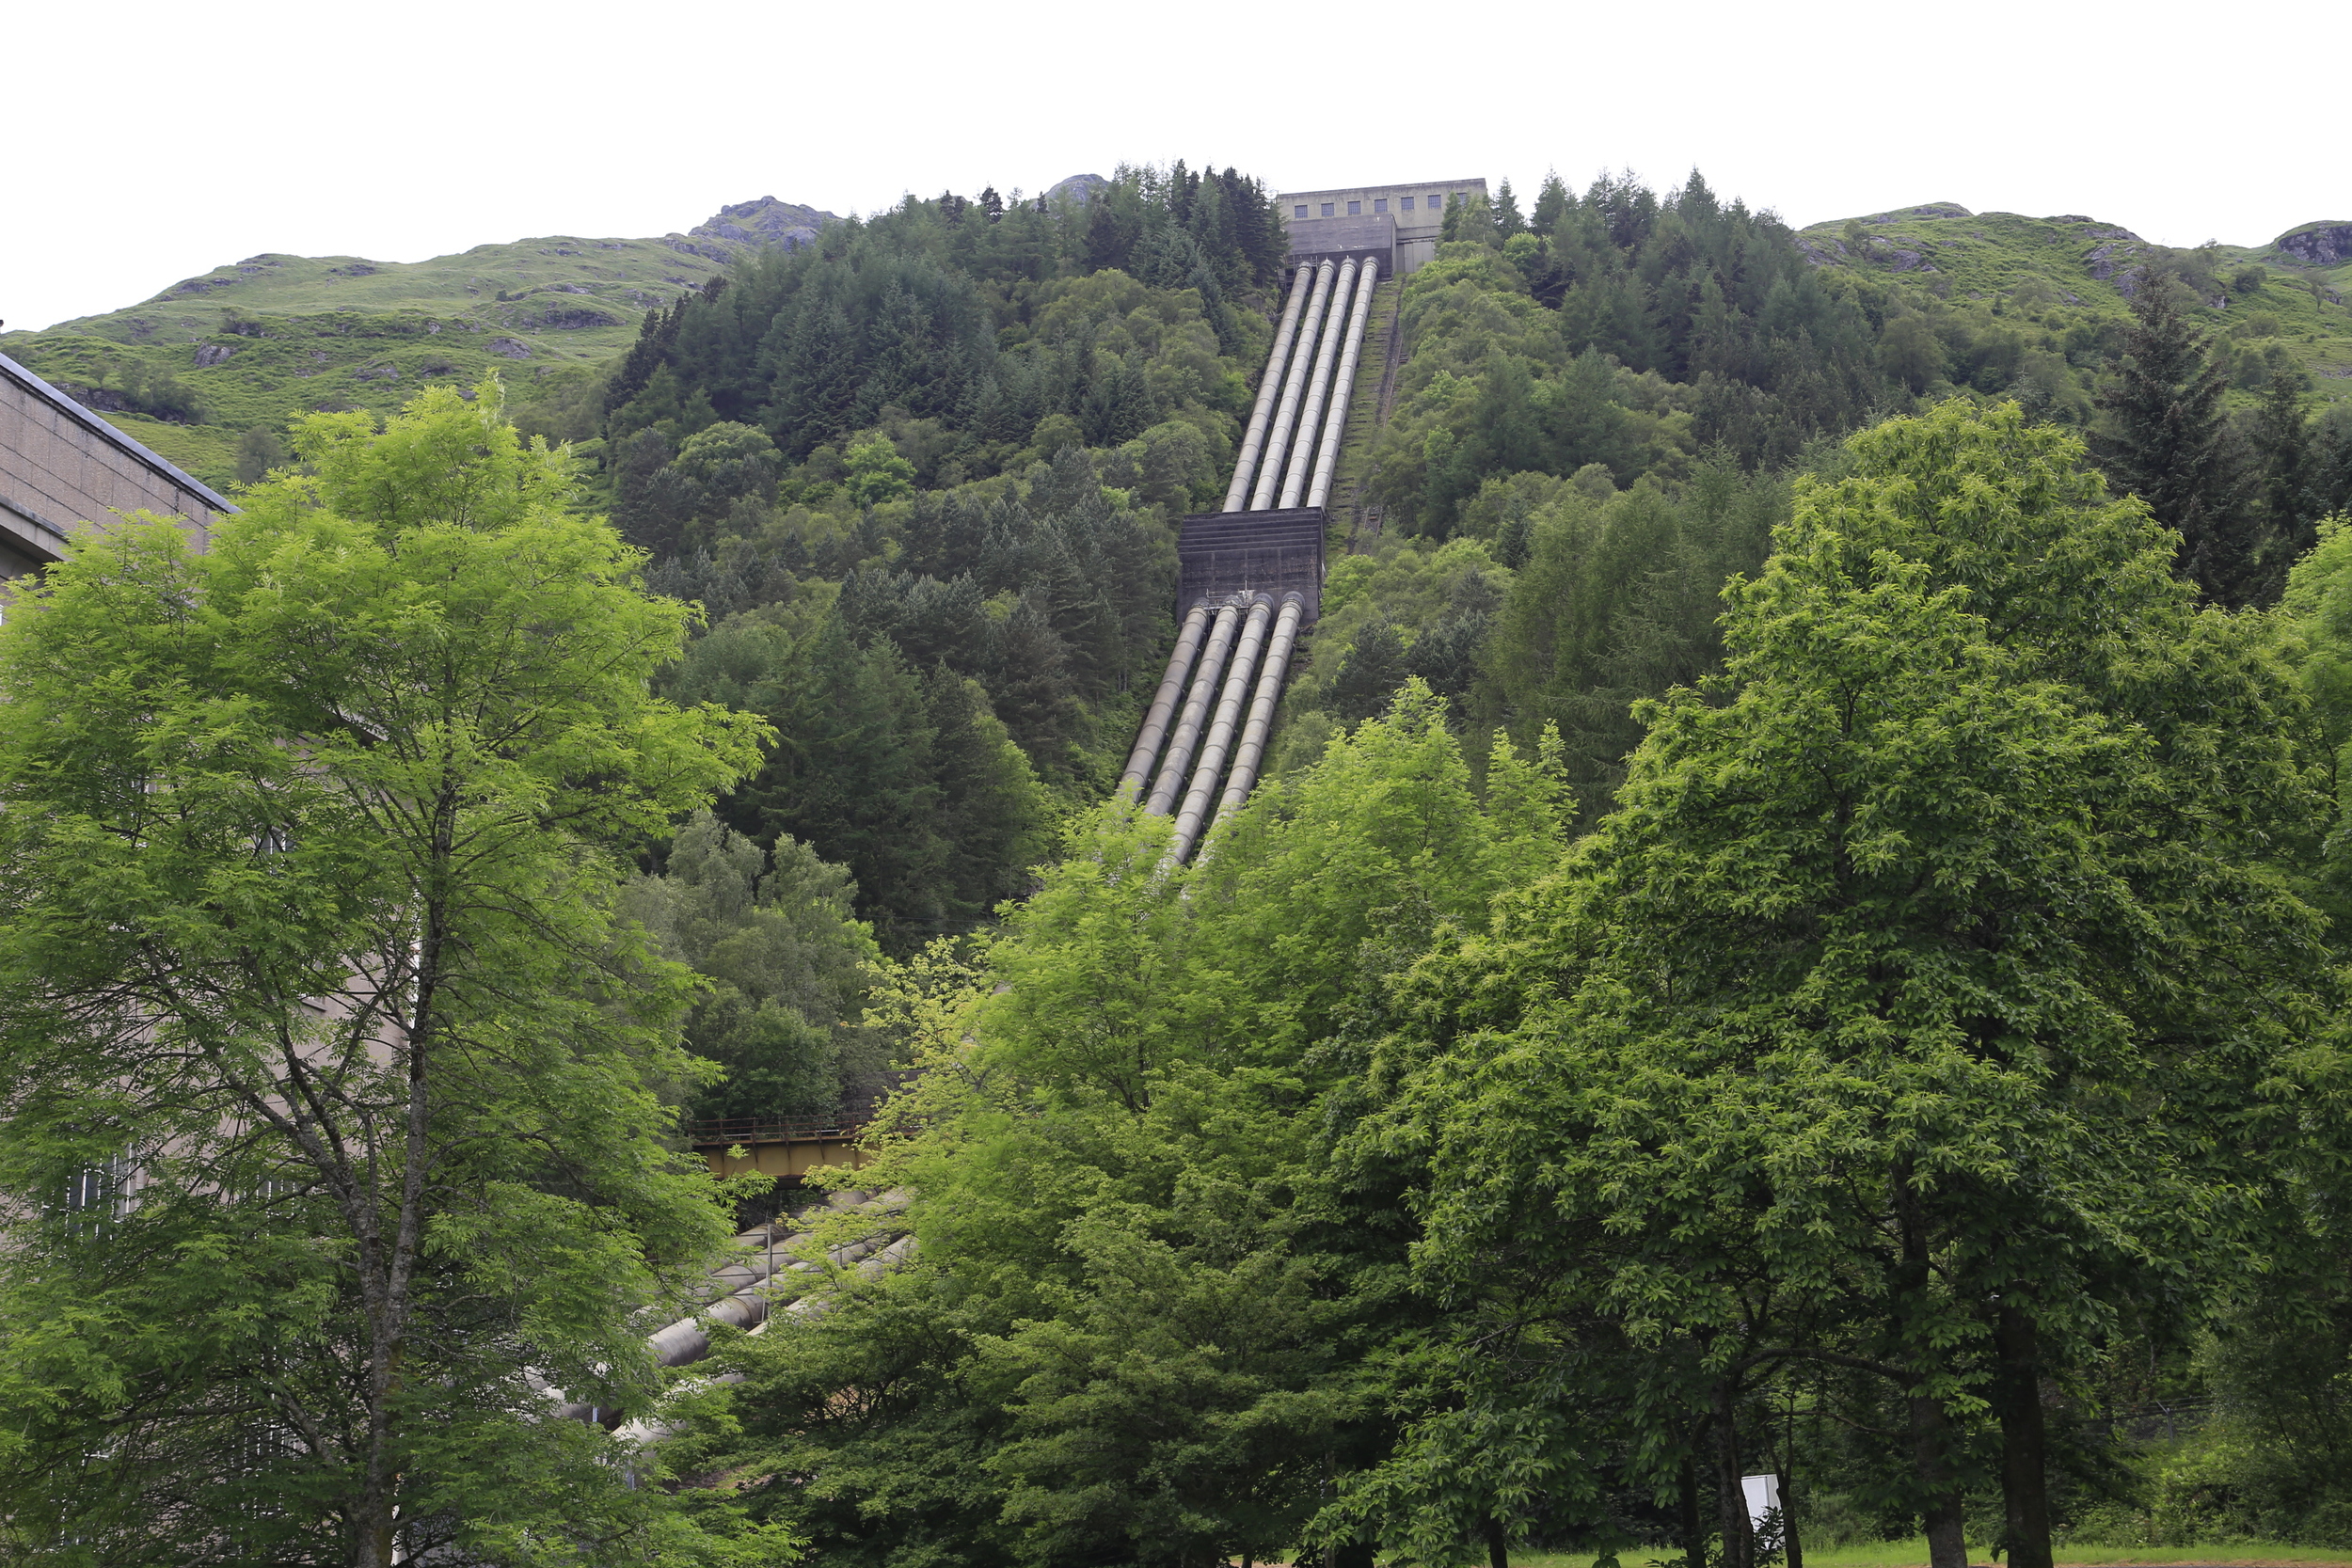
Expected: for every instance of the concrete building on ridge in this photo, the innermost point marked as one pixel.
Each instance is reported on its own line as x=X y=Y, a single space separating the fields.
x=1394 y=225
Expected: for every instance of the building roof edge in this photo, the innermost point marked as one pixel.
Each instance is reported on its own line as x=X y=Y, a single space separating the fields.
x=97 y=424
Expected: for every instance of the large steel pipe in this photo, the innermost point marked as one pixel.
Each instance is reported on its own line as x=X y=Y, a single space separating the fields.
x=1187 y=736
x=1251 y=752
x=1302 y=352
x=1269 y=389
x=1220 y=742
x=1298 y=459
x=1155 y=718
x=1344 y=389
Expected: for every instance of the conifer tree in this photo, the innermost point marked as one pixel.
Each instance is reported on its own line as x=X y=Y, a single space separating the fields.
x=2168 y=443
x=1369 y=673
x=1552 y=202
x=1507 y=219
x=2280 y=443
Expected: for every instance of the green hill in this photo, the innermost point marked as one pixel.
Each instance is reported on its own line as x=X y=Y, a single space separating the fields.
x=2280 y=303
x=256 y=341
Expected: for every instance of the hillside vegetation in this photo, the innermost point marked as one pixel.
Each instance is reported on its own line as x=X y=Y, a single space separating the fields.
x=254 y=343
x=1799 y=920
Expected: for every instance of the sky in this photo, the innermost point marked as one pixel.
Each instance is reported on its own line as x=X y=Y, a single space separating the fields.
x=154 y=141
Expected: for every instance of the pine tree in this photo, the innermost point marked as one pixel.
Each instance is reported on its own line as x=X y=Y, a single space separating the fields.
x=1507 y=216
x=1369 y=674
x=852 y=777
x=1552 y=202
x=2168 y=443
x=2280 y=443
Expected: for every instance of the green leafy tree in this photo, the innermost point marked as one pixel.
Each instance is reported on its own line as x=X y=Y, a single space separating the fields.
x=259 y=451
x=1135 y=1327
x=877 y=472
x=330 y=1131
x=788 y=965
x=1823 y=1047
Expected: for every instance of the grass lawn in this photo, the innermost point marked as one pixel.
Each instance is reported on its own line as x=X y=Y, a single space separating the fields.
x=1913 y=1554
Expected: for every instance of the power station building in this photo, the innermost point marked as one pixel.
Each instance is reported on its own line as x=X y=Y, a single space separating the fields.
x=1393 y=225
x=64 y=469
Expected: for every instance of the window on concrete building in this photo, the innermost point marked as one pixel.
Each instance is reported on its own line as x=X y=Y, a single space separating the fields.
x=1355 y=209
x=1458 y=199
x=1436 y=201
x=1300 y=211
x=1327 y=208
x=1408 y=203
x=1379 y=203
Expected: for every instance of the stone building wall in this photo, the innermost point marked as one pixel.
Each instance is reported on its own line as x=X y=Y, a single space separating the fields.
x=64 y=469
x=1305 y=212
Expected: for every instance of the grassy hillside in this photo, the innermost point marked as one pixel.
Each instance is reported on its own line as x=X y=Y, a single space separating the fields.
x=2271 y=304
x=256 y=341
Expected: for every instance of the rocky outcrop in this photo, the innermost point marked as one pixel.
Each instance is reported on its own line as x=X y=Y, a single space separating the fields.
x=568 y=321
x=512 y=348
x=2319 y=244
x=2116 y=254
x=1887 y=253
x=208 y=355
x=751 y=224
x=1079 y=189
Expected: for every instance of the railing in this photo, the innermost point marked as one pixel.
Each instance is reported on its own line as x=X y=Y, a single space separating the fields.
x=847 y=1122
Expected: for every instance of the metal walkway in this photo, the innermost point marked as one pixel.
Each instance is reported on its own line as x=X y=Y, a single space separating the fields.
x=1251 y=575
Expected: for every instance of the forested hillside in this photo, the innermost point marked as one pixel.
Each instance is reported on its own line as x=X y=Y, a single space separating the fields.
x=1795 y=921
x=922 y=471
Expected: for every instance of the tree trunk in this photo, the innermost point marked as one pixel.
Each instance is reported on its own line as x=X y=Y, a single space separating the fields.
x=1790 y=1547
x=1498 y=1544
x=1731 y=1500
x=1930 y=1427
x=1930 y=1436
x=1694 y=1542
x=2024 y=1471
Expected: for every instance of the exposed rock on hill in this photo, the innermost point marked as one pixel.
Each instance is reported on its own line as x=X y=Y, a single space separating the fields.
x=2319 y=244
x=748 y=225
x=1079 y=189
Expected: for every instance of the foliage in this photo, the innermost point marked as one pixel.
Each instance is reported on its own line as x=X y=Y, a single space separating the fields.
x=331 y=1121
x=2168 y=446
x=1823 y=1046
x=789 y=968
x=1131 y=1327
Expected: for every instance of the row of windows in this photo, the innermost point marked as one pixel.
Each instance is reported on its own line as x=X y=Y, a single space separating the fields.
x=1379 y=204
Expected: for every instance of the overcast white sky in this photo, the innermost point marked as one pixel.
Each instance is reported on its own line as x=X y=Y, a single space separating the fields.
x=153 y=141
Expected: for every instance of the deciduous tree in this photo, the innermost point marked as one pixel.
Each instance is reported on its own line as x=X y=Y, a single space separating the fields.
x=327 y=1112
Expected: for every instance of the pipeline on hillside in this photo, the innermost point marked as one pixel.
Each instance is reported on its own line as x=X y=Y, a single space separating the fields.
x=1197 y=755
